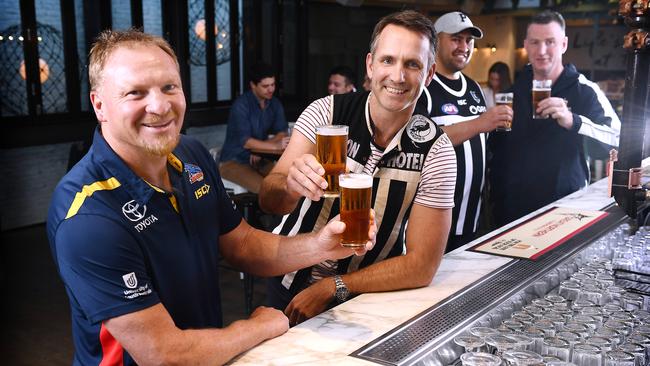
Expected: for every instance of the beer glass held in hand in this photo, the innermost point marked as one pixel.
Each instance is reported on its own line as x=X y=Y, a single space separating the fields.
x=504 y=99
x=331 y=147
x=541 y=91
x=356 y=199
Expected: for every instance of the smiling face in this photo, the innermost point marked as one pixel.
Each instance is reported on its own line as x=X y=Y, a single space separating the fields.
x=454 y=52
x=545 y=44
x=140 y=103
x=398 y=69
x=338 y=84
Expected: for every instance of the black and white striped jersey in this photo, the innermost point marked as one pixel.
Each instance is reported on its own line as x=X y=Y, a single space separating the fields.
x=449 y=102
x=418 y=166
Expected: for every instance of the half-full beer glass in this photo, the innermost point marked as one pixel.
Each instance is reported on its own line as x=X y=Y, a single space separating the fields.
x=541 y=91
x=504 y=99
x=356 y=199
x=331 y=144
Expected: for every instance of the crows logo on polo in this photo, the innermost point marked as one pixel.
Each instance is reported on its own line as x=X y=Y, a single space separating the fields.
x=194 y=173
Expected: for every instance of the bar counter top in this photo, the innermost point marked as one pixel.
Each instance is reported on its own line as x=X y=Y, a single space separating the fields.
x=330 y=337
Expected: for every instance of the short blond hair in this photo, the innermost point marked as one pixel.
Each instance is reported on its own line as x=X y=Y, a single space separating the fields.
x=110 y=40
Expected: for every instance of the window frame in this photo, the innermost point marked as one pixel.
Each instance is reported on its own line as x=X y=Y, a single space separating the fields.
x=37 y=128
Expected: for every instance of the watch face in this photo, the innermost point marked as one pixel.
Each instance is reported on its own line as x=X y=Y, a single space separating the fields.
x=342 y=294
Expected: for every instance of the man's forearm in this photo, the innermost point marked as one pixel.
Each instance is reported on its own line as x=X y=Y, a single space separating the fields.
x=397 y=273
x=274 y=197
x=216 y=346
x=278 y=136
x=151 y=337
x=264 y=254
x=461 y=132
x=252 y=143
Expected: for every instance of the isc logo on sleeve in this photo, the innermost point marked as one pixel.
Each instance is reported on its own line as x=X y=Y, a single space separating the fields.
x=205 y=189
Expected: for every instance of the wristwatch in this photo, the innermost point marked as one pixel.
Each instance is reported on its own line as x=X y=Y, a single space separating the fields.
x=342 y=293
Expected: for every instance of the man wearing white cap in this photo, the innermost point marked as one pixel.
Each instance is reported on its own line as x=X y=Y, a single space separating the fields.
x=455 y=102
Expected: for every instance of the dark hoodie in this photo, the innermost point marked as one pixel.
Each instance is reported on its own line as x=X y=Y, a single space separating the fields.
x=539 y=162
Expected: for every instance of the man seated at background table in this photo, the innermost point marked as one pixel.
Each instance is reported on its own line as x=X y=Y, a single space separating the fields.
x=543 y=160
x=138 y=226
x=254 y=116
x=412 y=162
x=341 y=80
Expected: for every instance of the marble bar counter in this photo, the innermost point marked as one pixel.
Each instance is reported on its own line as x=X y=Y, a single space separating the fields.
x=330 y=337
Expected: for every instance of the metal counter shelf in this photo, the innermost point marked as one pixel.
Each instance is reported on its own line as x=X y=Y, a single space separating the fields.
x=427 y=338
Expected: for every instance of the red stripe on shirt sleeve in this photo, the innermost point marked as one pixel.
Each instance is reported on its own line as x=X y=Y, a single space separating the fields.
x=112 y=351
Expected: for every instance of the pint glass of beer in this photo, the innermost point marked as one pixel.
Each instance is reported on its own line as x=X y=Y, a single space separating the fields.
x=541 y=91
x=331 y=153
x=504 y=99
x=356 y=199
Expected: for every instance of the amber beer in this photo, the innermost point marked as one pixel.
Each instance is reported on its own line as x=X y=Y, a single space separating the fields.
x=331 y=144
x=504 y=99
x=356 y=197
x=541 y=91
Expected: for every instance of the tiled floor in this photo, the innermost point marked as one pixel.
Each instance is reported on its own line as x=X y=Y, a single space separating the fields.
x=35 y=313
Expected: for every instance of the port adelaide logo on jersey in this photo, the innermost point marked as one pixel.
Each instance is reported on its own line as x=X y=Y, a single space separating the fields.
x=421 y=129
x=136 y=213
x=474 y=96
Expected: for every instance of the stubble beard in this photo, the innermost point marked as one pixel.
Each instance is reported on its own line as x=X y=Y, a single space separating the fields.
x=162 y=146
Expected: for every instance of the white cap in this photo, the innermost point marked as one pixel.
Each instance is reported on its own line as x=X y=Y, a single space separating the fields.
x=456 y=22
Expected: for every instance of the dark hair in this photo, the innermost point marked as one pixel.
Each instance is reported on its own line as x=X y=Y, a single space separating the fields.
x=504 y=75
x=411 y=20
x=547 y=17
x=260 y=71
x=346 y=72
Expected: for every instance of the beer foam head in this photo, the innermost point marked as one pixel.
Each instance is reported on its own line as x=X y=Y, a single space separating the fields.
x=354 y=180
x=542 y=84
x=332 y=130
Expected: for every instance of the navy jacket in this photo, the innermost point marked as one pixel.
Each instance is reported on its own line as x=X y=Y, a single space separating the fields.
x=539 y=162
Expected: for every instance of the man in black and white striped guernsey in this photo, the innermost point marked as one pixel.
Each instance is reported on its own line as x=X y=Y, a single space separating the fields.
x=413 y=166
x=456 y=103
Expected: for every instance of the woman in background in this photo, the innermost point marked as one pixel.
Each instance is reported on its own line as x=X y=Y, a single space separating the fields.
x=498 y=82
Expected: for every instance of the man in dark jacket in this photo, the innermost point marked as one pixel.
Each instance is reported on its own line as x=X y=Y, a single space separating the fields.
x=542 y=160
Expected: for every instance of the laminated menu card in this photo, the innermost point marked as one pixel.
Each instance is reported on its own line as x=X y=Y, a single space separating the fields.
x=541 y=233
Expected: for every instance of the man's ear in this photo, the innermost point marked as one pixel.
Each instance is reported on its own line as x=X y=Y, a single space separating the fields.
x=98 y=106
x=369 y=65
x=565 y=44
x=430 y=73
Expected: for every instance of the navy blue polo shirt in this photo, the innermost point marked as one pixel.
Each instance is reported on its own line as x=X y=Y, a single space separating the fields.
x=122 y=245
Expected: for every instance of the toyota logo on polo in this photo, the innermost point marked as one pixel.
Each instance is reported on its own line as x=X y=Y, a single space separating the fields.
x=133 y=211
